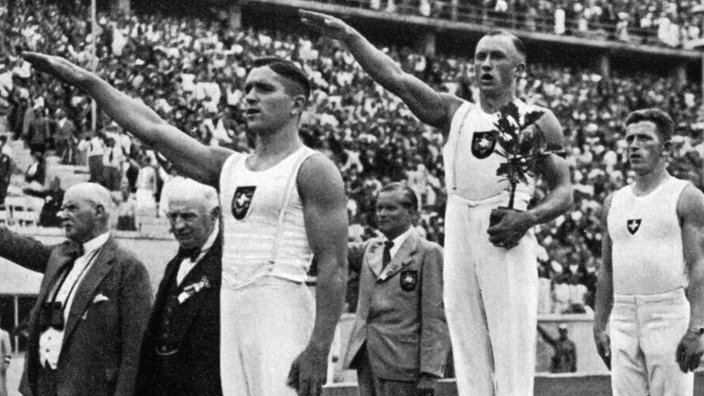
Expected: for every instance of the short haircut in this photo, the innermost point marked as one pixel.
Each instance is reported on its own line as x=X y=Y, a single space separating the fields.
x=189 y=189
x=663 y=122
x=517 y=42
x=287 y=70
x=409 y=200
x=95 y=193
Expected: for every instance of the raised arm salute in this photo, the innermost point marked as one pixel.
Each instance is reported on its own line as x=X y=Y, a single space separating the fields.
x=193 y=159
x=282 y=205
x=493 y=339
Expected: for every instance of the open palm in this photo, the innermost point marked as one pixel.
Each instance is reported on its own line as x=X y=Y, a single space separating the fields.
x=326 y=24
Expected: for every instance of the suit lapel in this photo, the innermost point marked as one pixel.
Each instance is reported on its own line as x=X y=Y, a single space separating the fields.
x=374 y=257
x=402 y=256
x=60 y=257
x=206 y=269
x=83 y=295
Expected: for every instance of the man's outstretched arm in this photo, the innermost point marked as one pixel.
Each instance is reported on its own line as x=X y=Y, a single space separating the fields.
x=322 y=192
x=192 y=158
x=429 y=106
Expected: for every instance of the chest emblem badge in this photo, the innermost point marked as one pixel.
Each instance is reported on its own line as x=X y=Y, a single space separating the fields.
x=408 y=280
x=483 y=144
x=633 y=225
x=242 y=201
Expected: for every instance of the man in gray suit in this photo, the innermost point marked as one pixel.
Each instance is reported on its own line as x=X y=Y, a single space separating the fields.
x=93 y=305
x=400 y=341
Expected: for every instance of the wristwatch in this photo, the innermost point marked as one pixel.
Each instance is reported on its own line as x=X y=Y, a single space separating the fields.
x=697 y=330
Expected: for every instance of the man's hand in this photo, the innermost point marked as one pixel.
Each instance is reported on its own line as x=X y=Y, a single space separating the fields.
x=508 y=232
x=426 y=385
x=328 y=25
x=603 y=346
x=689 y=351
x=57 y=67
x=309 y=371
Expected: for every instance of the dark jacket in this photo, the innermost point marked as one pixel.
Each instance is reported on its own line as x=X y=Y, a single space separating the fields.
x=102 y=335
x=194 y=333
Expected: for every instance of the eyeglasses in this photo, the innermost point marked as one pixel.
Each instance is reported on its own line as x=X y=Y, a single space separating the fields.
x=186 y=216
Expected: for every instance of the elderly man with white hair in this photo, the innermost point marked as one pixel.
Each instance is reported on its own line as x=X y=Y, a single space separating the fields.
x=86 y=326
x=181 y=347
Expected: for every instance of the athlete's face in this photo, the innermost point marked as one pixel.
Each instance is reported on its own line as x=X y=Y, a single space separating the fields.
x=268 y=105
x=497 y=62
x=646 y=149
x=393 y=218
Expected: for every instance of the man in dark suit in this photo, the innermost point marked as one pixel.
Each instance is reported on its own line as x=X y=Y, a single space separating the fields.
x=86 y=326
x=399 y=343
x=181 y=347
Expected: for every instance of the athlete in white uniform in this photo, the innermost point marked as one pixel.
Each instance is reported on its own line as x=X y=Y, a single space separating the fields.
x=651 y=282
x=490 y=272
x=282 y=205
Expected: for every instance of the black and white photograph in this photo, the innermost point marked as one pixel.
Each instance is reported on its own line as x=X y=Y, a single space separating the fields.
x=351 y=197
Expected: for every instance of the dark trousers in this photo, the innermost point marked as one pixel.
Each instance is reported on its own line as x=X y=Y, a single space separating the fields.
x=95 y=167
x=46 y=383
x=371 y=385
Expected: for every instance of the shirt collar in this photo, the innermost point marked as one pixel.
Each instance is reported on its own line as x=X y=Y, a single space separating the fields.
x=399 y=240
x=95 y=243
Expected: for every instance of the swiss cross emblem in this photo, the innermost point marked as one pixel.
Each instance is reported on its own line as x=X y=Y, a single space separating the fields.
x=242 y=201
x=483 y=143
x=633 y=225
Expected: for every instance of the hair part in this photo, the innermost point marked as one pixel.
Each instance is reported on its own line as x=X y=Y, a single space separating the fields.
x=664 y=124
x=288 y=70
x=517 y=42
x=409 y=198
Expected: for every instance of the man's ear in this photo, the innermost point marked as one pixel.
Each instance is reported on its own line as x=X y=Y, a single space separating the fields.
x=299 y=104
x=520 y=68
x=667 y=148
x=215 y=212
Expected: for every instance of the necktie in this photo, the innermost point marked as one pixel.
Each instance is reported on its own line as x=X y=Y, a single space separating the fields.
x=191 y=253
x=386 y=258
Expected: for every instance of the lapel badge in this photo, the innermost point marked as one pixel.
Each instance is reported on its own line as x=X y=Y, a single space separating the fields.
x=633 y=225
x=408 y=280
x=242 y=201
x=483 y=143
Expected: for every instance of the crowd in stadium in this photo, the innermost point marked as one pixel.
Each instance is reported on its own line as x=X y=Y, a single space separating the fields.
x=665 y=23
x=190 y=71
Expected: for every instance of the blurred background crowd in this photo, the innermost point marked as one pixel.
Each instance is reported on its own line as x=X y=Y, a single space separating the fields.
x=654 y=22
x=190 y=70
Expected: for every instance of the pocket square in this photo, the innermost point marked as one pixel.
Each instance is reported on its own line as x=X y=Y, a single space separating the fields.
x=100 y=298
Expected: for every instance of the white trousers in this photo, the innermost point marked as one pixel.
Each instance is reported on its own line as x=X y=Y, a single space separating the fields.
x=645 y=331
x=263 y=327
x=491 y=303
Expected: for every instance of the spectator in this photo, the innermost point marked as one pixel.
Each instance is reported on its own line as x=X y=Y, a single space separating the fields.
x=6 y=168
x=564 y=358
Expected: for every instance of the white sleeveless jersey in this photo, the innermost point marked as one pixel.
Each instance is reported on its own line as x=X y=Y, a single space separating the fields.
x=471 y=160
x=251 y=205
x=646 y=240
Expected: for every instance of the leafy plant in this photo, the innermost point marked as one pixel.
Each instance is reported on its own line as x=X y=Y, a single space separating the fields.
x=521 y=142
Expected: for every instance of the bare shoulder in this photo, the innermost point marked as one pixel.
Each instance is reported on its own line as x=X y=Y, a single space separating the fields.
x=550 y=126
x=319 y=180
x=690 y=206
x=606 y=206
